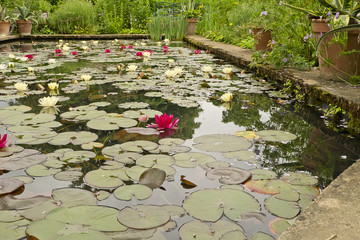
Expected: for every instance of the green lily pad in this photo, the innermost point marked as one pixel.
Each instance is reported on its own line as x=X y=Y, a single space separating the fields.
x=133 y=105
x=190 y=160
x=236 y=234
x=138 y=146
x=8 y=185
x=216 y=164
x=25 y=179
x=152 y=159
x=68 y=175
x=106 y=178
x=111 y=123
x=143 y=216
x=201 y=231
x=241 y=155
x=21 y=160
x=102 y=195
x=13 y=230
x=211 y=204
x=276 y=136
x=221 y=143
x=228 y=175
x=138 y=191
x=136 y=234
x=261 y=186
x=174 y=210
x=279 y=225
x=262 y=236
x=262 y=174
x=136 y=114
x=39 y=170
x=135 y=172
x=76 y=138
x=171 y=141
x=9 y=216
x=83 y=115
x=112 y=150
x=300 y=179
x=20 y=108
x=152 y=178
x=127 y=158
x=281 y=208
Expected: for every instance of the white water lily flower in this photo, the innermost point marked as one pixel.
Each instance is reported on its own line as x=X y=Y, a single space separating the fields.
x=11 y=64
x=159 y=43
x=166 y=40
x=11 y=55
x=227 y=97
x=58 y=46
x=85 y=48
x=48 y=101
x=146 y=54
x=85 y=77
x=207 y=69
x=51 y=60
x=65 y=48
x=143 y=44
x=53 y=86
x=83 y=42
x=171 y=61
x=95 y=42
x=61 y=41
x=21 y=86
x=116 y=40
x=30 y=69
x=23 y=59
x=131 y=68
x=2 y=67
x=178 y=70
x=170 y=73
x=227 y=70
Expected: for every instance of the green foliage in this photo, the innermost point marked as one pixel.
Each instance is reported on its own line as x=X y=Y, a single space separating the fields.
x=74 y=16
x=172 y=28
x=4 y=14
x=24 y=12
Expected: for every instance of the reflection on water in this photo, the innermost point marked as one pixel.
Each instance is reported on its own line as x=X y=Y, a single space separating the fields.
x=317 y=150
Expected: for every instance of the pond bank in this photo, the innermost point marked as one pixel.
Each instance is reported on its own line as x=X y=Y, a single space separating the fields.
x=337 y=93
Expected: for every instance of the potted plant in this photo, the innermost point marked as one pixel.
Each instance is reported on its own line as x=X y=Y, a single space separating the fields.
x=25 y=19
x=4 y=22
x=191 y=12
x=338 y=53
x=261 y=29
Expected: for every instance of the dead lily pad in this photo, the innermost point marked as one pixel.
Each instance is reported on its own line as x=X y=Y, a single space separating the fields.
x=221 y=143
x=8 y=185
x=152 y=178
x=228 y=175
x=143 y=216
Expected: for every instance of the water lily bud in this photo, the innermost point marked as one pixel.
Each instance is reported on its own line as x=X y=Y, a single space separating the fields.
x=11 y=64
x=143 y=118
x=226 y=97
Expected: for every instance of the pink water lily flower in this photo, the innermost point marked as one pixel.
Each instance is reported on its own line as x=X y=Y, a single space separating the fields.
x=57 y=50
x=197 y=51
x=3 y=141
x=30 y=57
x=139 y=54
x=164 y=122
x=131 y=46
x=123 y=46
x=107 y=50
x=74 y=53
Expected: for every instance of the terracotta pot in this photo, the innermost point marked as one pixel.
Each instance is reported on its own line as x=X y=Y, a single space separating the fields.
x=4 y=28
x=263 y=39
x=24 y=27
x=333 y=64
x=191 y=27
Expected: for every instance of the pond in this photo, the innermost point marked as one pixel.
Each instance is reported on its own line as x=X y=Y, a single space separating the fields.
x=87 y=164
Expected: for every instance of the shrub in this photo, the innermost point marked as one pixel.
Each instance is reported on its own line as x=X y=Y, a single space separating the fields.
x=74 y=16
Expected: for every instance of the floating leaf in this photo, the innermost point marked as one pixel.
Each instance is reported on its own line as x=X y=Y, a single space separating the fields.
x=278 y=225
x=276 y=136
x=281 y=208
x=261 y=186
x=76 y=138
x=127 y=158
x=106 y=178
x=199 y=230
x=152 y=178
x=8 y=185
x=25 y=179
x=22 y=160
x=127 y=192
x=247 y=134
x=262 y=174
x=300 y=179
x=68 y=175
x=133 y=105
x=13 y=230
x=152 y=159
x=233 y=235
x=211 y=204
x=102 y=195
x=241 y=155
x=138 y=146
x=262 y=236
x=143 y=216
x=228 y=175
x=191 y=159
x=171 y=141
x=221 y=143
x=39 y=170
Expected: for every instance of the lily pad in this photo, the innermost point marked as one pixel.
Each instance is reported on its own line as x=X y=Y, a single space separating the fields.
x=262 y=236
x=241 y=155
x=13 y=230
x=106 y=178
x=127 y=158
x=279 y=225
x=191 y=159
x=152 y=178
x=152 y=159
x=261 y=174
x=228 y=175
x=133 y=105
x=276 y=136
x=8 y=185
x=68 y=175
x=211 y=204
x=143 y=216
x=21 y=160
x=138 y=146
x=138 y=191
x=201 y=231
x=76 y=138
x=236 y=234
x=221 y=143
x=281 y=208
x=39 y=170
x=300 y=179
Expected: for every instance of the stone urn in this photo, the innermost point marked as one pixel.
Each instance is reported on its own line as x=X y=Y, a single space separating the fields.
x=263 y=39
x=24 y=27
x=332 y=63
x=191 y=27
x=4 y=28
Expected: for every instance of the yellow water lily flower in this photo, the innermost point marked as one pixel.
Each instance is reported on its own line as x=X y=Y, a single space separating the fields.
x=86 y=77
x=31 y=70
x=227 y=70
x=48 y=101
x=227 y=97
x=11 y=55
x=53 y=86
x=11 y=64
x=21 y=86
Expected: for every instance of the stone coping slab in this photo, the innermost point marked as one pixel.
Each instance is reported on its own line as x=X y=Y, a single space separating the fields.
x=337 y=93
x=335 y=213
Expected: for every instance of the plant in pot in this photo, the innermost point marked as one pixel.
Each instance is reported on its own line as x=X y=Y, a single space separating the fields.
x=4 y=22
x=25 y=19
x=261 y=26
x=191 y=11
x=338 y=52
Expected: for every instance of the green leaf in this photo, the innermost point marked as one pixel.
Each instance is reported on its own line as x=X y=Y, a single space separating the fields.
x=126 y=193
x=221 y=143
